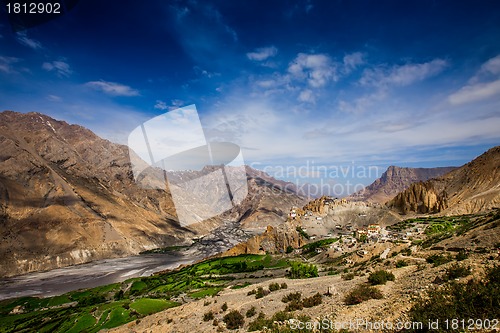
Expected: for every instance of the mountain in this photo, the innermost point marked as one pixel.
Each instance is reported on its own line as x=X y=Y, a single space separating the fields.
x=68 y=196
x=469 y=189
x=394 y=180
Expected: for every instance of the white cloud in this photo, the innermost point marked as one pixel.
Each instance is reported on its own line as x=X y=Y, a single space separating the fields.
x=54 y=98
x=363 y=103
x=174 y=104
x=112 y=88
x=307 y=96
x=484 y=85
x=352 y=61
x=161 y=105
x=475 y=92
x=402 y=75
x=6 y=64
x=316 y=69
x=202 y=72
x=262 y=53
x=60 y=67
x=491 y=66
x=23 y=38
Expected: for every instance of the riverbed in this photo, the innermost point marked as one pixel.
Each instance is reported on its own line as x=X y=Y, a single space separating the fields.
x=90 y=275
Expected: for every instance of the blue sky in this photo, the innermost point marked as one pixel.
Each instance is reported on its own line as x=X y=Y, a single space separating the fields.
x=340 y=84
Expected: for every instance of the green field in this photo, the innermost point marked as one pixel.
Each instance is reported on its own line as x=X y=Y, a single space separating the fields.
x=113 y=305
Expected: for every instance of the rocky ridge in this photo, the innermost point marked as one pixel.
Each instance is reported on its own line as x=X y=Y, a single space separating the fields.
x=471 y=188
x=395 y=180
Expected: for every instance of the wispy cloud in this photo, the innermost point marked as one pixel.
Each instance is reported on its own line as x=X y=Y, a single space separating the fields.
x=160 y=105
x=112 y=88
x=402 y=75
x=363 y=103
x=54 y=98
x=6 y=64
x=307 y=96
x=190 y=20
x=484 y=85
x=491 y=66
x=475 y=92
x=60 y=67
x=316 y=69
x=22 y=37
x=174 y=104
x=203 y=72
x=353 y=61
x=262 y=53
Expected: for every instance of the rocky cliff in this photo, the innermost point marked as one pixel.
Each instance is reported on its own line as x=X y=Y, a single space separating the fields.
x=469 y=189
x=394 y=180
x=273 y=240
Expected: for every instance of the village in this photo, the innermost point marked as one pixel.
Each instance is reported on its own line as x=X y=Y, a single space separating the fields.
x=317 y=221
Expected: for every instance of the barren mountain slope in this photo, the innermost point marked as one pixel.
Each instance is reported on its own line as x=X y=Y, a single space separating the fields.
x=471 y=188
x=394 y=180
x=67 y=197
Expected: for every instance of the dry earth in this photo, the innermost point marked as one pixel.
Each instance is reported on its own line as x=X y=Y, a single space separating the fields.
x=399 y=295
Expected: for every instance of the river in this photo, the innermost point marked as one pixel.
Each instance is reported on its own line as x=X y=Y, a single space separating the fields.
x=94 y=274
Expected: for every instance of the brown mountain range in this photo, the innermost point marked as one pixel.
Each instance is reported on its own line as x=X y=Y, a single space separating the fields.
x=469 y=189
x=394 y=180
x=68 y=196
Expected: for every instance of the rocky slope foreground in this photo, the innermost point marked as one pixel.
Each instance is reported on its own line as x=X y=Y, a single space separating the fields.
x=417 y=274
x=471 y=188
x=68 y=196
x=394 y=180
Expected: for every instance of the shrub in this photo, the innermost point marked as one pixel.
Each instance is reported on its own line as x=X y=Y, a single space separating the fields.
x=291 y=297
x=224 y=307
x=261 y=292
x=478 y=299
x=348 y=276
x=300 y=271
x=456 y=271
x=302 y=233
x=233 y=320
x=401 y=263
x=294 y=305
x=91 y=300
x=380 y=277
x=252 y=292
x=274 y=286
x=208 y=316
x=118 y=295
x=284 y=285
x=461 y=255
x=250 y=312
x=362 y=293
x=289 y=249
x=438 y=259
x=309 y=302
x=259 y=323
x=406 y=252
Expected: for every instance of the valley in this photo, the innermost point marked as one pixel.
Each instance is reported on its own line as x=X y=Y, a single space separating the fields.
x=205 y=293
x=87 y=249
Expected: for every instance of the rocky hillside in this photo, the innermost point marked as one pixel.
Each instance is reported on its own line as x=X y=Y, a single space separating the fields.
x=469 y=189
x=268 y=202
x=394 y=180
x=273 y=240
x=68 y=196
